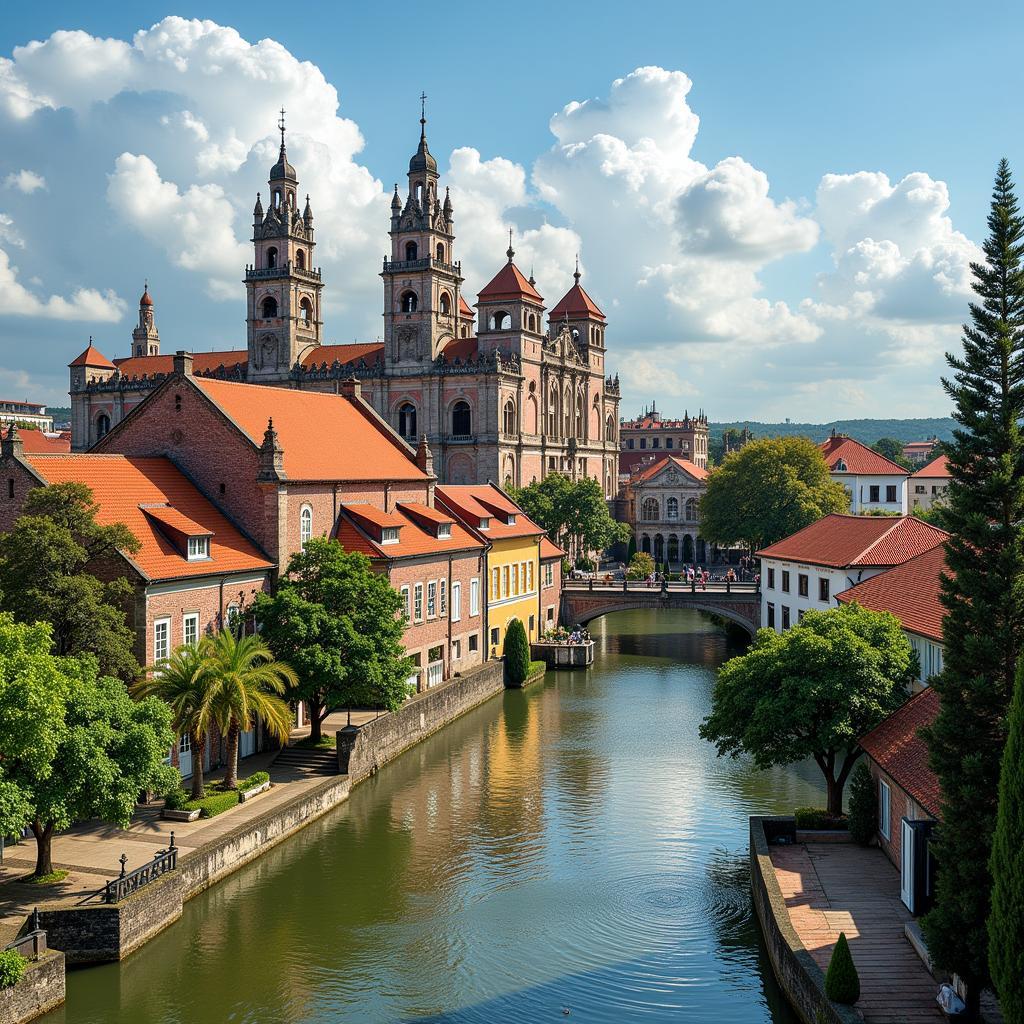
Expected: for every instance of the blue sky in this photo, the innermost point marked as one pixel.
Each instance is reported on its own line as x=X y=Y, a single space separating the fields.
x=736 y=274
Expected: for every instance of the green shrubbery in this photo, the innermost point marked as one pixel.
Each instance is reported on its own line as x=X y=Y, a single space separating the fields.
x=819 y=818
x=254 y=780
x=12 y=968
x=842 y=983
x=863 y=814
x=517 y=653
x=216 y=799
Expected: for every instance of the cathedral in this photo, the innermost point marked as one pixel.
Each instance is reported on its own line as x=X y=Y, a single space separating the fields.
x=496 y=393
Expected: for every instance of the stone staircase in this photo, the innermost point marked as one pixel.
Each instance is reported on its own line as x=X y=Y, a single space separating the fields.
x=301 y=762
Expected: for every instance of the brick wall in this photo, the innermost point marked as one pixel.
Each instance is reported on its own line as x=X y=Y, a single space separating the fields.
x=901 y=805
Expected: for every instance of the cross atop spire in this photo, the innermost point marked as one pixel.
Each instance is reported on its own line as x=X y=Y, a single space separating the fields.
x=576 y=275
x=423 y=114
x=280 y=127
x=510 y=252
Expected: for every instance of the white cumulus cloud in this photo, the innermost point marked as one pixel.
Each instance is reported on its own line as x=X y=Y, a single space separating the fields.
x=25 y=181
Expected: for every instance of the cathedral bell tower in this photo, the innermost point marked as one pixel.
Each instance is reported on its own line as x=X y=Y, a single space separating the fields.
x=284 y=290
x=145 y=337
x=422 y=281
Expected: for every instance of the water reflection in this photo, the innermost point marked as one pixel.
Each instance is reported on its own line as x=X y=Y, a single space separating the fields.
x=574 y=845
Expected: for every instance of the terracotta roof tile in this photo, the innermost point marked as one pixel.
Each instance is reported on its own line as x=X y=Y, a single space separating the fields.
x=647 y=472
x=859 y=458
x=123 y=486
x=937 y=468
x=202 y=362
x=910 y=591
x=474 y=502
x=414 y=539
x=509 y=283
x=360 y=352
x=576 y=303
x=550 y=550
x=91 y=357
x=895 y=746
x=843 y=540
x=465 y=309
x=324 y=436
x=176 y=520
x=36 y=442
x=463 y=349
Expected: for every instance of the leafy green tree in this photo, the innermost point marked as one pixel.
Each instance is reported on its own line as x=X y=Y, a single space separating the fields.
x=631 y=550
x=51 y=564
x=517 y=653
x=574 y=513
x=812 y=691
x=842 y=983
x=185 y=684
x=863 y=814
x=641 y=566
x=770 y=488
x=983 y=594
x=247 y=685
x=73 y=744
x=892 y=449
x=1006 y=920
x=340 y=626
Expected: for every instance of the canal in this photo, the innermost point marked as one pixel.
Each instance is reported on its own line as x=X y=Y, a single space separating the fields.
x=574 y=847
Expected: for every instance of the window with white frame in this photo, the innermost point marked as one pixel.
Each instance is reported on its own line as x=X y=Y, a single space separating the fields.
x=161 y=639
x=474 y=596
x=443 y=597
x=549 y=575
x=495 y=584
x=456 y=615
x=883 y=809
x=485 y=522
x=190 y=629
x=406 y=610
x=198 y=547
x=444 y=530
x=417 y=602
x=515 y=579
x=305 y=525
x=431 y=599
x=233 y=616
x=529 y=576
x=389 y=535
x=506 y=577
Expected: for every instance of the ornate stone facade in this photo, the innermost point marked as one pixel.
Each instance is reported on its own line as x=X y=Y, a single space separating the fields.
x=664 y=502
x=510 y=401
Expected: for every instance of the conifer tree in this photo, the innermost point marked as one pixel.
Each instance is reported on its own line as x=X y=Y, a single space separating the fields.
x=983 y=593
x=517 y=653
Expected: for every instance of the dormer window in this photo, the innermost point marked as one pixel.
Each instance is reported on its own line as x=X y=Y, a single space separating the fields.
x=389 y=535
x=444 y=530
x=485 y=523
x=198 y=548
x=511 y=519
x=840 y=466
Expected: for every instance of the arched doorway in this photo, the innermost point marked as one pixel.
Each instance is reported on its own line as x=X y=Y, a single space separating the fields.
x=687 y=548
x=659 y=548
x=645 y=544
x=673 y=548
x=702 y=551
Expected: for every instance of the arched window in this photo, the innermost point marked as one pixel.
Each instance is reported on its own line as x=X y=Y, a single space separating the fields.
x=446 y=304
x=464 y=331
x=609 y=429
x=531 y=322
x=673 y=548
x=672 y=508
x=419 y=192
x=271 y=258
x=659 y=548
x=300 y=259
x=579 y=417
x=408 y=302
x=462 y=420
x=411 y=250
x=102 y=425
x=649 y=511
x=567 y=413
x=440 y=253
x=407 y=420
x=509 y=417
x=277 y=198
x=306 y=311
x=645 y=544
x=500 y=321
x=269 y=308
x=553 y=413
x=691 y=510
x=305 y=525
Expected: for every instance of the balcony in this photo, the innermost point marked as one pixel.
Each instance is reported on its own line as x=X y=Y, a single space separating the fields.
x=427 y=263
x=287 y=269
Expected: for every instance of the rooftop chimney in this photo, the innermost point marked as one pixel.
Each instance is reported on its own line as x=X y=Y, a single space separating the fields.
x=182 y=364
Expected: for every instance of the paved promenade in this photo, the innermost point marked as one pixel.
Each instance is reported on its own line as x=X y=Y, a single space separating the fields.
x=840 y=887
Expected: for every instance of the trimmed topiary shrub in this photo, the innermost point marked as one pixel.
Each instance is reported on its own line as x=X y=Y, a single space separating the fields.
x=517 y=653
x=863 y=813
x=842 y=983
x=12 y=968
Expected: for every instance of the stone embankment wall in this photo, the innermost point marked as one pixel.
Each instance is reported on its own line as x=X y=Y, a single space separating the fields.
x=802 y=980
x=40 y=990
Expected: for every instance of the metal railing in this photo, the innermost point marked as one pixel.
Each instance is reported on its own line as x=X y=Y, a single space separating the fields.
x=677 y=587
x=130 y=882
x=31 y=945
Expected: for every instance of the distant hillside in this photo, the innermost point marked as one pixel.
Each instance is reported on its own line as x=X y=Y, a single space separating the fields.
x=866 y=431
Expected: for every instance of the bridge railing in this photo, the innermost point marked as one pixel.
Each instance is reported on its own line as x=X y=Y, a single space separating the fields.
x=675 y=587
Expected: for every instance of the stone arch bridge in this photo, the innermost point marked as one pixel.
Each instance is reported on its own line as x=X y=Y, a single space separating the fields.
x=587 y=600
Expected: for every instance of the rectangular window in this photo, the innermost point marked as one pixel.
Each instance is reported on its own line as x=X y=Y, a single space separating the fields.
x=506 y=577
x=161 y=639
x=643 y=442
x=495 y=633
x=890 y=492
x=873 y=492
x=417 y=596
x=771 y=615
x=495 y=584
x=801 y=584
x=771 y=579
x=444 y=531
x=474 y=643
x=629 y=443
x=474 y=596
x=529 y=577
x=785 y=616
x=823 y=589
x=551 y=615
x=431 y=599
x=785 y=581
x=406 y=610
x=198 y=547
x=921 y=489
x=883 y=810
x=656 y=443
x=389 y=535
x=549 y=575
x=456 y=615
x=443 y=608
x=456 y=650
x=801 y=612
x=190 y=629
x=515 y=579
x=533 y=624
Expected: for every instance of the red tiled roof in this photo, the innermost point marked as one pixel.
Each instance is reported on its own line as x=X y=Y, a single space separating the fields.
x=465 y=309
x=550 y=550
x=36 y=442
x=509 y=283
x=576 y=303
x=484 y=501
x=202 y=362
x=92 y=356
x=421 y=511
x=373 y=515
x=145 y=300
x=895 y=746
x=324 y=436
x=937 y=468
x=464 y=349
x=843 y=540
x=128 y=490
x=647 y=472
x=910 y=591
x=859 y=458
x=413 y=538
x=367 y=352
x=176 y=520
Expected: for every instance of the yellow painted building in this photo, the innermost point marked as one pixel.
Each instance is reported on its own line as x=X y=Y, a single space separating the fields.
x=513 y=557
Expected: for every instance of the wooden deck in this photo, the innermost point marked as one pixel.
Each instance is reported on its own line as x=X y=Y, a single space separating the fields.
x=840 y=887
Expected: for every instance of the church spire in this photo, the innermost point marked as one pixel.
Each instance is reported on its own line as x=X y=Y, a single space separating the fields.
x=145 y=337
x=423 y=160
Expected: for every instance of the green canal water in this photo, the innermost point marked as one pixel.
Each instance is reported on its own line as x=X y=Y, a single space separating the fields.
x=574 y=847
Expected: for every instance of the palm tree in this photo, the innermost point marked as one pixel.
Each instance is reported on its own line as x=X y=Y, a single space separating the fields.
x=183 y=682
x=248 y=681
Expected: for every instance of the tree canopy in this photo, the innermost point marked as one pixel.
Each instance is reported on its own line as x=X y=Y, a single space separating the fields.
x=770 y=488
x=73 y=744
x=812 y=691
x=340 y=626
x=892 y=450
x=48 y=564
x=574 y=513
